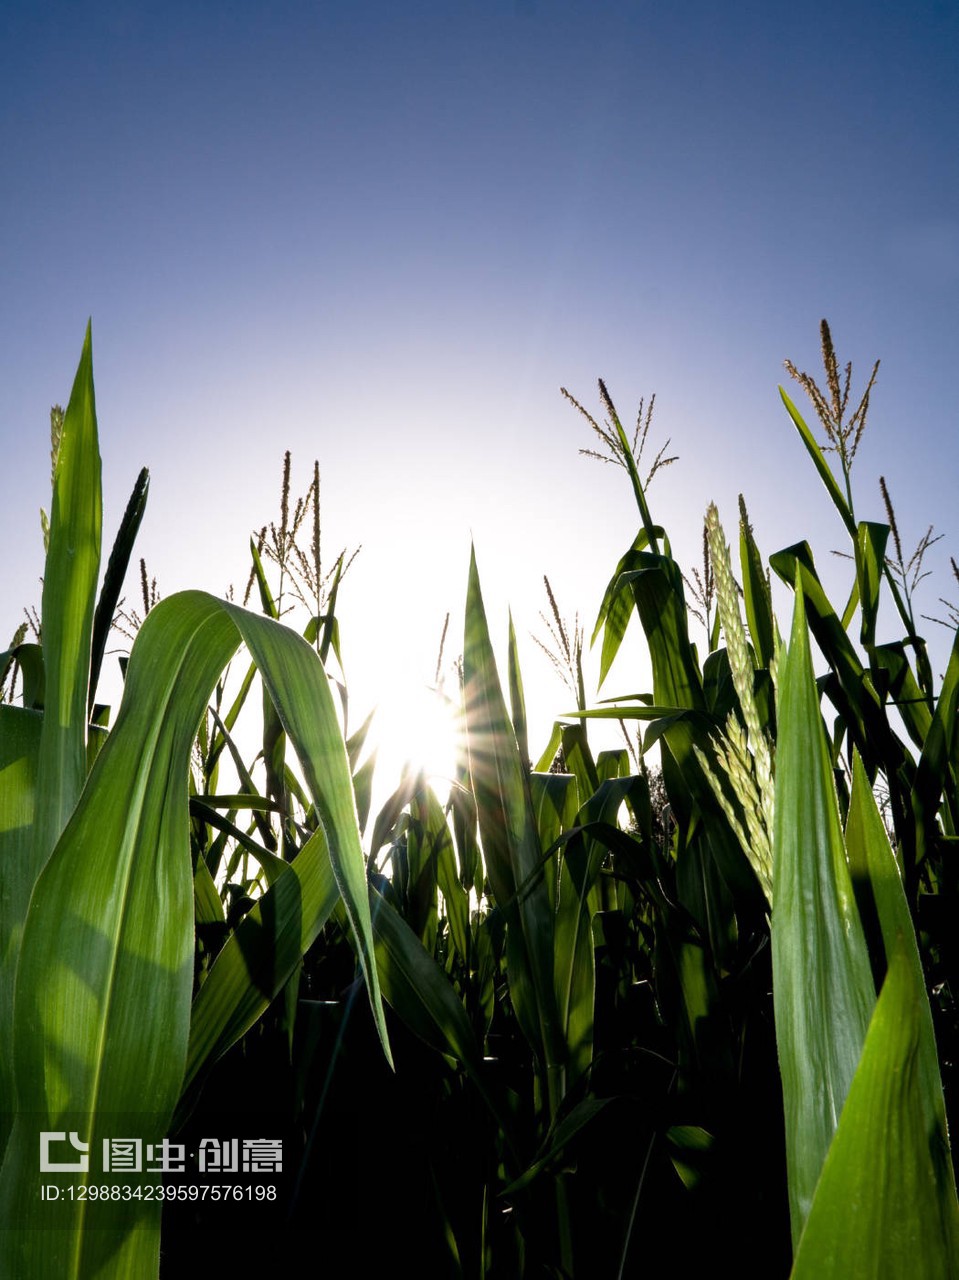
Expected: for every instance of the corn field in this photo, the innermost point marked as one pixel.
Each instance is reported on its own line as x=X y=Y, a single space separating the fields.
x=588 y=1017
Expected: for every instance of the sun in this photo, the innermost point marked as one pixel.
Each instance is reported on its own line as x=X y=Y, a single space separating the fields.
x=418 y=728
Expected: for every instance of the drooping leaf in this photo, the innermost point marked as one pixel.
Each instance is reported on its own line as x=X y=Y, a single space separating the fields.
x=617 y=605
x=102 y=1000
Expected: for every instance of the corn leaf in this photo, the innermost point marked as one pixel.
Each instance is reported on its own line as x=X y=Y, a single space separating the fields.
x=658 y=591
x=822 y=982
x=938 y=766
x=115 y=574
x=511 y=843
x=69 y=591
x=102 y=1000
x=617 y=605
x=756 y=597
x=871 y=542
x=517 y=699
x=880 y=1210
x=891 y=667
x=19 y=755
x=872 y=861
x=259 y=957
x=421 y=994
x=578 y=900
x=821 y=465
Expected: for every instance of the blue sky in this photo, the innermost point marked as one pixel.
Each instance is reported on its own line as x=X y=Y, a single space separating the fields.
x=384 y=236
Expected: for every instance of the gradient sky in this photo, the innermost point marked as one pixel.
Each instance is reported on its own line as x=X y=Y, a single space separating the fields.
x=384 y=236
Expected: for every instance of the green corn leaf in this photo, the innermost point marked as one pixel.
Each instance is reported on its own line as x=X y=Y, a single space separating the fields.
x=881 y=1211
x=558 y=1138
x=45 y=762
x=419 y=991
x=463 y=813
x=455 y=895
x=718 y=685
x=416 y=987
x=851 y=689
x=240 y=800
x=357 y=740
x=617 y=606
x=271 y=864
x=544 y=763
x=102 y=1000
x=579 y=758
x=872 y=862
x=578 y=901
x=689 y=1148
x=389 y=815
x=257 y=960
x=826 y=626
x=756 y=597
x=510 y=842
x=658 y=591
x=300 y=692
x=938 y=766
x=69 y=591
x=224 y=726
x=555 y=798
x=274 y=740
x=7 y=658
x=821 y=465
x=330 y=636
x=822 y=982
x=223 y=739
x=613 y=763
x=363 y=789
x=682 y=732
x=517 y=699
x=629 y=462
x=851 y=604
x=891 y=667
x=871 y=542
x=103 y=986
x=208 y=909
x=29 y=658
x=426 y=832
x=19 y=755
x=114 y=577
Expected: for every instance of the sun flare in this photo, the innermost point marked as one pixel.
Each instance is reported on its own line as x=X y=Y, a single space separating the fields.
x=416 y=727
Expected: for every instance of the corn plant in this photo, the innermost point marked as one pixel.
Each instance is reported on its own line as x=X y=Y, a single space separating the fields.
x=98 y=884
x=828 y=893
x=865 y=1116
